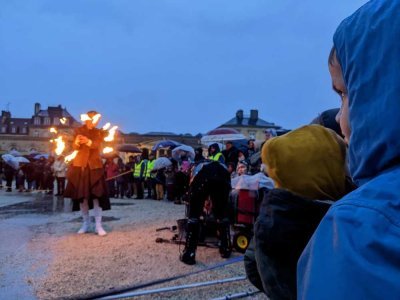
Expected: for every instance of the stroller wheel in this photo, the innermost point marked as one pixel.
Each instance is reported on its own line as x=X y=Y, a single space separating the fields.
x=241 y=241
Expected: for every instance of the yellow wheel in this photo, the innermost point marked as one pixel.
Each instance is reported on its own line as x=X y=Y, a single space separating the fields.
x=241 y=242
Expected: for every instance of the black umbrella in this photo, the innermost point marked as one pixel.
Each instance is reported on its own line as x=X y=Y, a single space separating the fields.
x=129 y=148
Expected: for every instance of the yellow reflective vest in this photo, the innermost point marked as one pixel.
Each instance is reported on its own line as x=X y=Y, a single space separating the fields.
x=150 y=167
x=216 y=156
x=138 y=168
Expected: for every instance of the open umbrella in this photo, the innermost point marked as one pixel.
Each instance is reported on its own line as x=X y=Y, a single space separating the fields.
x=183 y=150
x=22 y=159
x=39 y=156
x=11 y=161
x=14 y=153
x=221 y=135
x=161 y=162
x=128 y=148
x=165 y=144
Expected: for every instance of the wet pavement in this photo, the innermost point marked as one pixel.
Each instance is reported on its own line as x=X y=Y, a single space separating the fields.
x=20 y=216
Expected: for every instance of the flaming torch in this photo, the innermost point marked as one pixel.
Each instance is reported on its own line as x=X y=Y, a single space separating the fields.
x=60 y=144
x=111 y=133
x=70 y=157
x=107 y=150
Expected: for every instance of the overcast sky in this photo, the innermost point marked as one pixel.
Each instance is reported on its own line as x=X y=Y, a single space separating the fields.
x=180 y=66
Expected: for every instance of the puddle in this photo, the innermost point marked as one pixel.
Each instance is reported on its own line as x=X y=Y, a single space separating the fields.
x=38 y=205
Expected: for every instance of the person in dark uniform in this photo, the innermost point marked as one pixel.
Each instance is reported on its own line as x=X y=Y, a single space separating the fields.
x=210 y=179
x=86 y=178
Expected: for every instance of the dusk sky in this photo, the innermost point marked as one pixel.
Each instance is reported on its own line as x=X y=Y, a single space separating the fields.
x=178 y=66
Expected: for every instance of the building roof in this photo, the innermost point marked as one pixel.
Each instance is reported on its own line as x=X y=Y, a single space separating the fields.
x=159 y=133
x=20 y=122
x=248 y=122
x=54 y=112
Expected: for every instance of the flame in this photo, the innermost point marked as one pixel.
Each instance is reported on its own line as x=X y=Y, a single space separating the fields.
x=53 y=130
x=71 y=156
x=63 y=121
x=107 y=150
x=105 y=127
x=111 y=134
x=60 y=145
x=96 y=118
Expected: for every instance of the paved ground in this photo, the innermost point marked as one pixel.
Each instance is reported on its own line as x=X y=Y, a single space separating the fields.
x=29 y=221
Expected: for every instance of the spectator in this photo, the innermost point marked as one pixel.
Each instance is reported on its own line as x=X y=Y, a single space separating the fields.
x=230 y=153
x=60 y=172
x=355 y=251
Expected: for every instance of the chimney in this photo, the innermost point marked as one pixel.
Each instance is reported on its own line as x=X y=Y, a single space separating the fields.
x=6 y=116
x=37 y=108
x=253 y=116
x=239 y=116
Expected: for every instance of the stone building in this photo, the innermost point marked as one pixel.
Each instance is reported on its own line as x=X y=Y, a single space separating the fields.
x=33 y=134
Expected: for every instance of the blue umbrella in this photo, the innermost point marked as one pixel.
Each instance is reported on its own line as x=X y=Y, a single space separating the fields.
x=11 y=161
x=14 y=153
x=165 y=144
x=39 y=156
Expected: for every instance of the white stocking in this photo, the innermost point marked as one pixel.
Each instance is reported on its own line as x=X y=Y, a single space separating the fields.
x=97 y=216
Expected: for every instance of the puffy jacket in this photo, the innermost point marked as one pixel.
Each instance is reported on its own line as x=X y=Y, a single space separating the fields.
x=284 y=226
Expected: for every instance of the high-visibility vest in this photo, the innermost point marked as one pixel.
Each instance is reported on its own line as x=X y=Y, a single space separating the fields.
x=150 y=167
x=138 y=168
x=216 y=156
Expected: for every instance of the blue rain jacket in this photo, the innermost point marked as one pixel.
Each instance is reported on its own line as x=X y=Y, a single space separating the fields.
x=355 y=251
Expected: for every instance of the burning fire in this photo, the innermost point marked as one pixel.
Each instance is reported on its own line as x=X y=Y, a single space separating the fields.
x=94 y=119
x=60 y=145
x=70 y=157
x=105 y=127
x=111 y=134
x=107 y=150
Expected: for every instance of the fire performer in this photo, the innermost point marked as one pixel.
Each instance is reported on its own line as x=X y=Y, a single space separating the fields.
x=86 y=180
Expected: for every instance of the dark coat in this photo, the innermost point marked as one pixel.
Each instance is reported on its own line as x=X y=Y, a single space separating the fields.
x=282 y=230
x=89 y=156
x=231 y=155
x=86 y=178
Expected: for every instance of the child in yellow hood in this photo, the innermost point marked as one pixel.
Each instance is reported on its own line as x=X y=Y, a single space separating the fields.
x=308 y=168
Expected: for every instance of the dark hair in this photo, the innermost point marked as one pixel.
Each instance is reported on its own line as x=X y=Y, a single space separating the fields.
x=332 y=56
x=92 y=112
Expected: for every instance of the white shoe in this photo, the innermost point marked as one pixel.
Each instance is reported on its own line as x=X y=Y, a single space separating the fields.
x=100 y=231
x=85 y=225
x=84 y=228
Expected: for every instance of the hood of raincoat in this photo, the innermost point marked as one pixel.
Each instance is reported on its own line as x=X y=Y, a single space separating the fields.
x=370 y=59
x=363 y=229
x=216 y=147
x=309 y=161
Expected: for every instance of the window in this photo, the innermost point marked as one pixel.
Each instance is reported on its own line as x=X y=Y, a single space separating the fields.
x=56 y=121
x=36 y=133
x=24 y=130
x=252 y=134
x=3 y=129
x=36 y=121
x=13 y=129
x=47 y=121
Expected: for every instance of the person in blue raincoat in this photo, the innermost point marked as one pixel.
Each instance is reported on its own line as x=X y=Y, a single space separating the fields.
x=355 y=251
